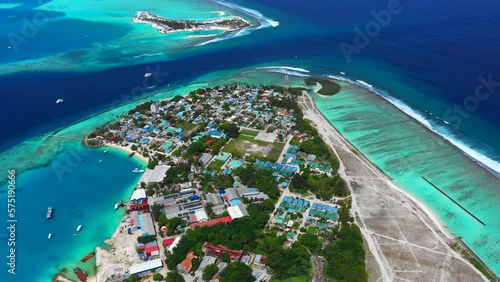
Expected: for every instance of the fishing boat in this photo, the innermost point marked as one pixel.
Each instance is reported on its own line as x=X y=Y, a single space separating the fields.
x=79 y=228
x=78 y=271
x=50 y=235
x=106 y=151
x=87 y=257
x=49 y=212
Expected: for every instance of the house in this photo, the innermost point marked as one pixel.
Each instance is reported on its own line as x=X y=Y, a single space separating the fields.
x=186 y=265
x=199 y=216
x=138 y=201
x=232 y=196
x=212 y=222
x=155 y=107
x=205 y=159
x=237 y=211
x=217 y=250
x=260 y=260
x=207 y=260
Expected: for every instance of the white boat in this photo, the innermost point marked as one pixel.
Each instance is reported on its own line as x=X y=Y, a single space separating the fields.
x=79 y=228
x=138 y=170
x=116 y=206
x=342 y=72
x=50 y=235
x=59 y=101
x=148 y=74
x=100 y=161
x=106 y=151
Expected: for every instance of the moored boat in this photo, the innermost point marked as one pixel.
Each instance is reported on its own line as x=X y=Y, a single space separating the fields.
x=49 y=212
x=50 y=235
x=79 y=272
x=87 y=257
x=79 y=228
x=106 y=151
x=138 y=170
x=131 y=154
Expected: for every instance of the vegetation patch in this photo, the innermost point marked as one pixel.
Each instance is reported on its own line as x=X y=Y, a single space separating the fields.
x=248 y=145
x=186 y=126
x=249 y=132
x=327 y=87
x=215 y=165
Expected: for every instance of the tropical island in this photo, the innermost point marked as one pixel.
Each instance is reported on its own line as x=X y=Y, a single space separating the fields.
x=238 y=186
x=328 y=87
x=244 y=181
x=165 y=25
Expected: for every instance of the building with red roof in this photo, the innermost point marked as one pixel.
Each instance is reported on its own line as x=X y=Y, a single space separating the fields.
x=186 y=265
x=152 y=250
x=217 y=250
x=168 y=241
x=212 y=222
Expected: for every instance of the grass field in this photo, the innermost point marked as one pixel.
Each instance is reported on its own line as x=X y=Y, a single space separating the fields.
x=186 y=126
x=215 y=165
x=249 y=132
x=246 y=144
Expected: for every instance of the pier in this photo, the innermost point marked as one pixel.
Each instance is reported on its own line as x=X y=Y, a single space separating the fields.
x=64 y=137
x=442 y=192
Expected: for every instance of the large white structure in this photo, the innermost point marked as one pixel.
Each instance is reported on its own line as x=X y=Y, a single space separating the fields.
x=237 y=211
x=157 y=174
x=145 y=267
x=155 y=107
x=138 y=195
x=174 y=245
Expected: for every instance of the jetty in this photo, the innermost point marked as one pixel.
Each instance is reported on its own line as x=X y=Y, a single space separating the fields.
x=442 y=192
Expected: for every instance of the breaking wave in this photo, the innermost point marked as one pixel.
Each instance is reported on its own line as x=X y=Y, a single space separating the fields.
x=442 y=130
x=264 y=22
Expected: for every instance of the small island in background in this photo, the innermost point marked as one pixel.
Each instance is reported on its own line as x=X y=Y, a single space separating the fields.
x=328 y=87
x=165 y=25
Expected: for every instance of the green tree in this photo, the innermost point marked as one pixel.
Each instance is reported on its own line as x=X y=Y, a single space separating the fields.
x=134 y=277
x=209 y=271
x=175 y=276
x=157 y=277
x=133 y=147
x=237 y=271
x=225 y=258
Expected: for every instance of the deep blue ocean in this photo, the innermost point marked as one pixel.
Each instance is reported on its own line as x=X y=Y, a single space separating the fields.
x=432 y=55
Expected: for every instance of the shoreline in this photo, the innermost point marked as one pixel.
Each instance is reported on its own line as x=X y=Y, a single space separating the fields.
x=436 y=222
x=428 y=211
x=127 y=150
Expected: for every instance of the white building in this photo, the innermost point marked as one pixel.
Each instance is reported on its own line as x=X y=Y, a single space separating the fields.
x=157 y=174
x=155 y=107
x=237 y=211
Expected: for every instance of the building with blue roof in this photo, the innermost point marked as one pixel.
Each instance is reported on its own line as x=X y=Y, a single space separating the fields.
x=216 y=134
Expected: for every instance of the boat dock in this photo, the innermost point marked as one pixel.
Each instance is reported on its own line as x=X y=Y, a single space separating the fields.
x=442 y=192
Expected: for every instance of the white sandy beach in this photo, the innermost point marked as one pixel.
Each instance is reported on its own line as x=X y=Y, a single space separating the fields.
x=404 y=239
x=128 y=150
